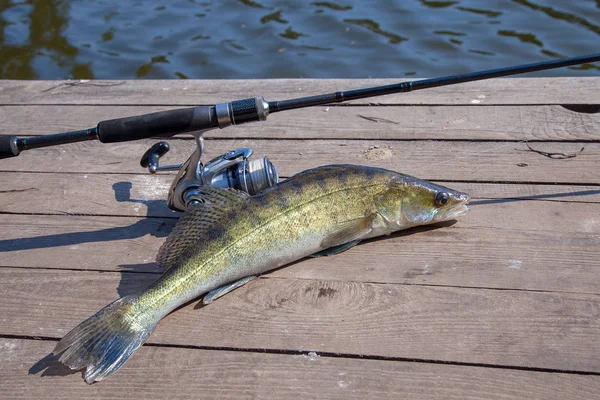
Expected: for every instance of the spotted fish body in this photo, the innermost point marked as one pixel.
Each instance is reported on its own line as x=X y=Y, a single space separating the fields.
x=234 y=236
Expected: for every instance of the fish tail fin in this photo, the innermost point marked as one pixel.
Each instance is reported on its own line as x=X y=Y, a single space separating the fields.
x=103 y=342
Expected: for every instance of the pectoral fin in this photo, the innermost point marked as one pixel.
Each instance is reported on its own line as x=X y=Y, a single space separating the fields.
x=349 y=231
x=223 y=290
x=335 y=250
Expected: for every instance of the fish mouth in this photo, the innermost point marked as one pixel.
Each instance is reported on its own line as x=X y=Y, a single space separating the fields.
x=454 y=212
x=461 y=208
x=457 y=211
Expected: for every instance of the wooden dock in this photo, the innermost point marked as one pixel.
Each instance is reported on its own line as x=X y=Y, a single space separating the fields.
x=502 y=304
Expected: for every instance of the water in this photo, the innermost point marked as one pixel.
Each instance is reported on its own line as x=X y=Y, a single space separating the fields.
x=55 y=39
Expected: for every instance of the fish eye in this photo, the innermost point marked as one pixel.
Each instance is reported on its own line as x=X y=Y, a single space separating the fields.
x=441 y=199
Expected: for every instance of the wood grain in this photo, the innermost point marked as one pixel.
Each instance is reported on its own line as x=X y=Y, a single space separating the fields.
x=90 y=242
x=431 y=160
x=513 y=328
x=520 y=245
x=158 y=373
x=513 y=284
x=145 y=195
x=399 y=122
x=94 y=194
x=571 y=90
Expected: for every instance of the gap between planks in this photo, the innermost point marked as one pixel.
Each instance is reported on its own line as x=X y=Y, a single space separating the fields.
x=145 y=195
x=557 y=90
x=490 y=123
x=309 y=354
x=431 y=160
x=510 y=245
x=237 y=375
x=391 y=321
x=269 y=275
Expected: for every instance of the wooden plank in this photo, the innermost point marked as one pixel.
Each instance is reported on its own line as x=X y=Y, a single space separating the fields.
x=498 y=245
x=564 y=90
x=145 y=195
x=555 y=331
x=491 y=193
x=401 y=122
x=90 y=242
x=432 y=160
x=473 y=253
x=93 y=194
x=158 y=373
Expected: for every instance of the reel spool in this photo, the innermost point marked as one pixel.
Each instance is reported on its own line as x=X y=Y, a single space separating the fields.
x=233 y=169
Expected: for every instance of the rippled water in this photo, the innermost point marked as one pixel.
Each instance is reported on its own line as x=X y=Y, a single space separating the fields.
x=55 y=39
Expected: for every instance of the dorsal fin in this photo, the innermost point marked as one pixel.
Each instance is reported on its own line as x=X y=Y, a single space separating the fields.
x=196 y=220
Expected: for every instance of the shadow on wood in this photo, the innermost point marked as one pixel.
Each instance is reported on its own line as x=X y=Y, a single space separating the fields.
x=583 y=108
x=154 y=207
x=149 y=226
x=536 y=197
x=50 y=366
x=154 y=227
x=133 y=281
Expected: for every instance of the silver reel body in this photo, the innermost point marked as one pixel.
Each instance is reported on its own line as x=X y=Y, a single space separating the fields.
x=233 y=169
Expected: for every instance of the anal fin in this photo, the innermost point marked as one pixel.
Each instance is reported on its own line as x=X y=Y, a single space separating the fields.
x=223 y=290
x=335 y=250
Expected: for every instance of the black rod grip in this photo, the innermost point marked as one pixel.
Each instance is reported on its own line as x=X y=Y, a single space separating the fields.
x=8 y=147
x=163 y=123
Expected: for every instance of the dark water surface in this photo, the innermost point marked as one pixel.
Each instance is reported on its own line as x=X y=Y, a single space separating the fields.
x=52 y=39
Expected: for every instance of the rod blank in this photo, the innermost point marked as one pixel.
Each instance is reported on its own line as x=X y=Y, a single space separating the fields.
x=169 y=123
x=404 y=87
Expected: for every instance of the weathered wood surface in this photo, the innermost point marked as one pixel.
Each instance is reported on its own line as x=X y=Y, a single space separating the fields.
x=190 y=92
x=158 y=373
x=432 y=160
x=502 y=304
x=555 y=331
x=513 y=122
x=516 y=245
x=144 y=195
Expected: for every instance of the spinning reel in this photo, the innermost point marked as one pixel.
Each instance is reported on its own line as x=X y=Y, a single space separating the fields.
x=233 y=169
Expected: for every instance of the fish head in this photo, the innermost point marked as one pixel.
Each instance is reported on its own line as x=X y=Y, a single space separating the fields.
x=411 y=202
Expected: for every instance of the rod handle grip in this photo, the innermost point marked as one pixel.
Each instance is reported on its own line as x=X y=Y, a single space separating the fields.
x=8 y=147
x=162 y=123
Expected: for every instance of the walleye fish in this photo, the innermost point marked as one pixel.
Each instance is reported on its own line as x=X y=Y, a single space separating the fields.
x=220 y=245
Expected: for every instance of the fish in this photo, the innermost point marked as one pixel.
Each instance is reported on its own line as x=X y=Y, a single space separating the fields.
x=231 y=238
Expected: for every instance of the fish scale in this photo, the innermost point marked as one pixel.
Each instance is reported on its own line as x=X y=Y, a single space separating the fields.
x=262 y=229
x=222 y=244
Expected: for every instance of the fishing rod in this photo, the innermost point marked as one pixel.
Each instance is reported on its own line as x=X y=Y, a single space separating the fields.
x=169 y=123
x=233 y=168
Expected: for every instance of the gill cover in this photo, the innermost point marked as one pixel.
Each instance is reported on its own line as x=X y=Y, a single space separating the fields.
x=411 y=202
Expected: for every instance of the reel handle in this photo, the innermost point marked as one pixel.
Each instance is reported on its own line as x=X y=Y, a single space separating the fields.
x=152 y=155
